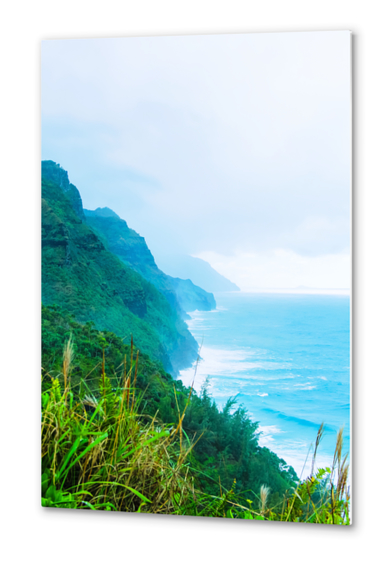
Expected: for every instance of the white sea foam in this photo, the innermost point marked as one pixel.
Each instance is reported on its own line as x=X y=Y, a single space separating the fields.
x=278 y=377
x=216 y=363
x=304 y=386
x=296 y=453
x=267 y=433
x=239 y=366
x=267 y=381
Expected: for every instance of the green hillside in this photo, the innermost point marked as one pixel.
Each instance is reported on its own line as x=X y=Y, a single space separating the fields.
x=132 y=249
x=118 y=432
x=81 y=275
x=228 y=446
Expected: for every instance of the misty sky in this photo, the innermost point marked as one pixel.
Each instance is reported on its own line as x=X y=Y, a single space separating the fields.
x=232 y=148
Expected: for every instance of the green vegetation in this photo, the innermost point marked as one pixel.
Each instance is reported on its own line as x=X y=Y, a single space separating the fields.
x=132 y=249
x=81 y=275
x=119 y=433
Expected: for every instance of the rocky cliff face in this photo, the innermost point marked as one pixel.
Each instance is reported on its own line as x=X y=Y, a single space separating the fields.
x=80 y=274
x=132 y=249
x=53 y=172
x=191 y=297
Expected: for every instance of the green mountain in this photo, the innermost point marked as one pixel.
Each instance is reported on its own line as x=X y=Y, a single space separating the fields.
x=81 y=275
x=190 y=296
x=132 y=249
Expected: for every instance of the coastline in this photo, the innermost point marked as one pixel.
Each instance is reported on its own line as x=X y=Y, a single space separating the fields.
x=268 y=384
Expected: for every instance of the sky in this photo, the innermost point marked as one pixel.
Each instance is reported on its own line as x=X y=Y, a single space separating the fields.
x=232 y=148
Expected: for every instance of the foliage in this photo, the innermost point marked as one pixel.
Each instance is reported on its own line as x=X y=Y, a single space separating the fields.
x=132 y=249
x=224 y=448
x=101 y=452
x=81 y=275
x=118 y=432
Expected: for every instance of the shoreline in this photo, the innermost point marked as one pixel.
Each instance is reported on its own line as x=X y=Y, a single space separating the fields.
x=249 y=373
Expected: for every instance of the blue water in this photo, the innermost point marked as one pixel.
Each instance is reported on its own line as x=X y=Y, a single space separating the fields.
x=287 y=359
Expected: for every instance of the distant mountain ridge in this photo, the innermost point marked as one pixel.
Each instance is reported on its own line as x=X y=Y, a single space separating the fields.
x=199 y=271
x=82 y=276
x=132 y=249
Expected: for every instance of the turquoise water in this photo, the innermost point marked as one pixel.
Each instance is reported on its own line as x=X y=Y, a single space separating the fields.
x=287 y=359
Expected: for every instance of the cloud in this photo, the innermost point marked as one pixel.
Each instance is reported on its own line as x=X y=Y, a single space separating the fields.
x=281 y=269
x=225 y=144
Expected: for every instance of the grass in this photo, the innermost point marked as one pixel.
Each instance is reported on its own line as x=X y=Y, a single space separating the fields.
x=100 y=452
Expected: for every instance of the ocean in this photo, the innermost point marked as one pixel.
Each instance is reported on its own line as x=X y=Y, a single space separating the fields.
x=286 y=357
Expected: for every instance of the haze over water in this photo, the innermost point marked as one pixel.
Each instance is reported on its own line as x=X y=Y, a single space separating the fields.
x=287 y=359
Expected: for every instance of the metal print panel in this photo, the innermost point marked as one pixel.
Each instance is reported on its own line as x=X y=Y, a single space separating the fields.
x=196 y=275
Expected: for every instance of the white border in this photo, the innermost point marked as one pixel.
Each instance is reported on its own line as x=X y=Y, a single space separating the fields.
x=32 y=533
